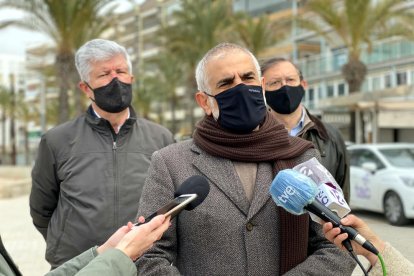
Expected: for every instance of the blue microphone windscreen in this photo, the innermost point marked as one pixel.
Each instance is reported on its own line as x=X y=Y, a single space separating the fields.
x=292 y=191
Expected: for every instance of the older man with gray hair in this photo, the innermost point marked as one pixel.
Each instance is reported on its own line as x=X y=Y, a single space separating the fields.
x=89 y=172
x=239 y=147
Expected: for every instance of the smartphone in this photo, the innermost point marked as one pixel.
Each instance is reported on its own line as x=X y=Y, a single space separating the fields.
x=172 y=208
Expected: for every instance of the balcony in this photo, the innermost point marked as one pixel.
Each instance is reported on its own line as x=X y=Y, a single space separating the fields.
x=386 y=53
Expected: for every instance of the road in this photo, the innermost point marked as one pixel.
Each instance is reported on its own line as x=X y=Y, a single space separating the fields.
x=27 y=247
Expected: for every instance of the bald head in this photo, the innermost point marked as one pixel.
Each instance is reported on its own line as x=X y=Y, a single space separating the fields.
x=218 y=52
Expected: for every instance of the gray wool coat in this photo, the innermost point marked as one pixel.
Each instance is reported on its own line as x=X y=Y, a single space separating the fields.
x=225 y=235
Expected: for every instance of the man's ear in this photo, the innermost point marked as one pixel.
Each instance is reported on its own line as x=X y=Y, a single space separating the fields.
x=202 y=100
x=85 y=89
x=304 y=84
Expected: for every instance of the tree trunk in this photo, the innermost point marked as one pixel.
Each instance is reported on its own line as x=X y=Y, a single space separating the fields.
x=3 y=135
x=354 y=73
x=173 y=115
x=352 y=124
x=26 y=145
x=191 y=90
x=65 y=66
x=12 y=121
x=79 y=102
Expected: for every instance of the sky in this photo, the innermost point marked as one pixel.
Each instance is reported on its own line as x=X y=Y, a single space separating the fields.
x=14 y=41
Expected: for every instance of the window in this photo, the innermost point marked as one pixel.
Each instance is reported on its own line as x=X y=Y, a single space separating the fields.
x=339 y=59
x=376 y=83
x=361 y=156
x=330 y=91
x=388 y=81
x=403 y=157
x=321 y=93
x=401 y=78
x=341 y=89
x=311 y=94
x=364 y=86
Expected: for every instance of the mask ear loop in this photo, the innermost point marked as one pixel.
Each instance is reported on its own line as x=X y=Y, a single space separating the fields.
x=215 y=112
x=88 y=85
x=90 y=89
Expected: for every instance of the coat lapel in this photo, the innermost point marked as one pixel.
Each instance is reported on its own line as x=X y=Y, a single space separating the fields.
x=221 y=173
x=261 y=194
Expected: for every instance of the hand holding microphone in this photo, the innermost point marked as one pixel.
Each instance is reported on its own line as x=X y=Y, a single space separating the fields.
x=334 y=235
x=296 y=193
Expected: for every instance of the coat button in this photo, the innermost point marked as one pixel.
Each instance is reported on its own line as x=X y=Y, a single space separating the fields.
x=249 y=226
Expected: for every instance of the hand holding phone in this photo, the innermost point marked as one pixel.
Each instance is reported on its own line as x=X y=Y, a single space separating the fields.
x=172 y=208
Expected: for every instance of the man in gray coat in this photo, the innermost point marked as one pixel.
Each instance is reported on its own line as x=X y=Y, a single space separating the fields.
x=239 y=147
x=89 y=172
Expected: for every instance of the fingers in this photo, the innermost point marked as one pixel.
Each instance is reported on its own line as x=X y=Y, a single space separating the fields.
x=326 y=227
x=141 y=219
x=349 y=219
x=339 y=239
x=159 y=226
x=354 y=221
x=332 y=233
x=121 y=231
x=164 y=226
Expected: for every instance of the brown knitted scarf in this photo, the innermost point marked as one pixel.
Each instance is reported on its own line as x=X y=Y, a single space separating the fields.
x=271 y=142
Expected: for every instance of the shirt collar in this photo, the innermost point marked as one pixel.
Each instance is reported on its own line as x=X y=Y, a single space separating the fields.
x=99 y=116
x=296 y=129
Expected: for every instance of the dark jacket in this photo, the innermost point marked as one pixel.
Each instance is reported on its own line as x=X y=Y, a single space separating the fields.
x=328 y=140
x=87 y=181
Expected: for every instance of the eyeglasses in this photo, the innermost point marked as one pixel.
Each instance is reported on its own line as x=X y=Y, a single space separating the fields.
x=276 y=84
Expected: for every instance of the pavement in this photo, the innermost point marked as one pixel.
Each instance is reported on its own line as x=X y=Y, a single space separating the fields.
x=27 y=247
x=23 y=242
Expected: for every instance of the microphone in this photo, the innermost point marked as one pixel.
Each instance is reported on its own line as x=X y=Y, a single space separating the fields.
x=313 y=169
x=296 y=193
x=330 y=193
x=188 y=196
x=195 y=184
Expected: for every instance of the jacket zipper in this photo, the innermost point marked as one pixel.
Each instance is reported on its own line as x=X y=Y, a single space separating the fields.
x=115 y=168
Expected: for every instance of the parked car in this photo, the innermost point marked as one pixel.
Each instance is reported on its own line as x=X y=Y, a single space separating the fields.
x=382 y=180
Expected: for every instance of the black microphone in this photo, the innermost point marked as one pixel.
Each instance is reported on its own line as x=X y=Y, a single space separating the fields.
x=296 y=193
x=188 y=196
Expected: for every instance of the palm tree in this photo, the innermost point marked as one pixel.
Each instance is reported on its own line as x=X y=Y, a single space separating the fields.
x=257 y=33
x=356 y=23
x=24 y=115
x=169 y=75
x=69 y=24
x=145 y=92
x=5 y=105
x=197 y=27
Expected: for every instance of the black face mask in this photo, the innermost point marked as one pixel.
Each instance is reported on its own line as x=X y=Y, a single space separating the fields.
x=114 y=97
x=241 y=108
x=286 y=99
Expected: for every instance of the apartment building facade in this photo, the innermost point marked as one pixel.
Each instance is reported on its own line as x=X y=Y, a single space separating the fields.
x=383 y=107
